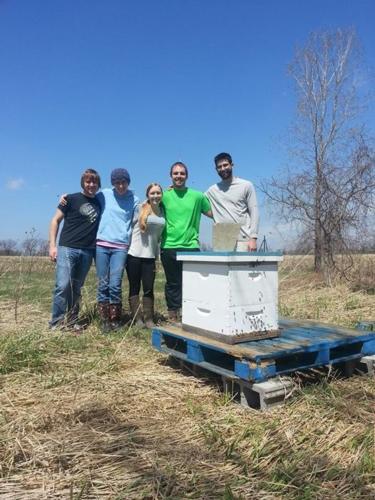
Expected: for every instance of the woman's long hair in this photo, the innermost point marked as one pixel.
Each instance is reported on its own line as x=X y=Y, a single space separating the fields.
x=146 y=209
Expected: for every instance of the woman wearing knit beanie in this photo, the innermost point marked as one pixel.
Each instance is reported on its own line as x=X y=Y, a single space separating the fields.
x=120 y=208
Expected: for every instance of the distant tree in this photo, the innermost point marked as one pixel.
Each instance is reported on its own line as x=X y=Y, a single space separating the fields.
x=8 y=247
x=42 y=247
x=328 y=186
x=30 y=243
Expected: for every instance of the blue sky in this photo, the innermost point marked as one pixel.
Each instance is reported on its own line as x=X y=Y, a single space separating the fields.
x=141 y=84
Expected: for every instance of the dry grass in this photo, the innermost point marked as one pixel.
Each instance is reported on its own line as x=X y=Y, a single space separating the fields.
x=107 y=417
x=304 y=295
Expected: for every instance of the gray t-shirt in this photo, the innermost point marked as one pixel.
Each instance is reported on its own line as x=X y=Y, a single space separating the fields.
x=235 y=201
x=146 y=245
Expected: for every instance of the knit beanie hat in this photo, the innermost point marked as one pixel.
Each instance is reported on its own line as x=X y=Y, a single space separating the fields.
x=120 y=175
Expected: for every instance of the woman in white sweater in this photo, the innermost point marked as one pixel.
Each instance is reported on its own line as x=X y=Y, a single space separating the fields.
x=143 y=251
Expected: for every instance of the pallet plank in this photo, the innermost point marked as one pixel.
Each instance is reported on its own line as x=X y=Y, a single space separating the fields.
x=298 y=348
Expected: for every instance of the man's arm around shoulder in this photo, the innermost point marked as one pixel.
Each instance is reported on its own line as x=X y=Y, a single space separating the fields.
x=206 y=206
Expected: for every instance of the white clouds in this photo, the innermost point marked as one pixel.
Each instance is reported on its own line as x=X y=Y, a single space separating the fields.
x=15 y=184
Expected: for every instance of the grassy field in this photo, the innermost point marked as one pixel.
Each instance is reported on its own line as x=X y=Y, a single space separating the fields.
x=93 y=416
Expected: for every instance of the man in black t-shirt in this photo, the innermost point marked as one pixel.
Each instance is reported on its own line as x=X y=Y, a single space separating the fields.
x=76 y=249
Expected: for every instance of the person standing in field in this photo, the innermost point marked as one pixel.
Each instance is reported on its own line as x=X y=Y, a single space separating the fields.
x=234 y=200
x=119 y=210
x=76 y=250
x=142 y=255
x=183 y=208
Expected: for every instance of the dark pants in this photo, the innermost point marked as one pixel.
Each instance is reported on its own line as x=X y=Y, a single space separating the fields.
x=140 y=270
x=173 y=276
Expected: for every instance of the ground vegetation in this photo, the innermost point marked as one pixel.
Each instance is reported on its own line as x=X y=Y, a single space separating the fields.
x=94 y=416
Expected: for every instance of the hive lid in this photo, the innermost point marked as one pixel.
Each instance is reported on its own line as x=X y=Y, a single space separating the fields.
x=230 y=256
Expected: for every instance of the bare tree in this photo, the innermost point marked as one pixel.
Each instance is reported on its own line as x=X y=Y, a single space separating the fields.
x=8 y=247
x=30 y=243
x=328 y=187
x=43 y=247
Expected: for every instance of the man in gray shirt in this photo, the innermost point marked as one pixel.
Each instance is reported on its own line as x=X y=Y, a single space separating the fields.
x=234 y=200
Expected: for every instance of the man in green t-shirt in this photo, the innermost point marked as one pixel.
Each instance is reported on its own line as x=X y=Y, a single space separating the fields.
x=183 y=208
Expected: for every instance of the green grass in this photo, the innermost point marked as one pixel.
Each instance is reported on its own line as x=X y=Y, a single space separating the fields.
x=23 y=352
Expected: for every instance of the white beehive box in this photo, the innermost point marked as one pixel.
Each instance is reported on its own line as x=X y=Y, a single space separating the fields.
x=230 y=296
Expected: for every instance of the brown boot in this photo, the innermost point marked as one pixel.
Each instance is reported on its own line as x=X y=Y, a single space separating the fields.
x=172 y=315
x=136 y=312
x=148 y=312
x=115 y=311
x=103 y=310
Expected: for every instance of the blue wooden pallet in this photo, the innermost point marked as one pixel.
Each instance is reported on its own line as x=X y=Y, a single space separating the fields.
x=301 y=345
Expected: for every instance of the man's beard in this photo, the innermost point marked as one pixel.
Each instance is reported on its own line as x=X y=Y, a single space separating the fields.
x=225 y=174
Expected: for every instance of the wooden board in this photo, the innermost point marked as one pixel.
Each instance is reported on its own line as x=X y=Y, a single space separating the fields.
x=301 y=345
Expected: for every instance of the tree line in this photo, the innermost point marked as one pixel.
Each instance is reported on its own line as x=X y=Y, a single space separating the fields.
x=31 y=245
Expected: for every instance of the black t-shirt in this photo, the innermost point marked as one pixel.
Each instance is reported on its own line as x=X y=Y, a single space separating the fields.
x=81 y=221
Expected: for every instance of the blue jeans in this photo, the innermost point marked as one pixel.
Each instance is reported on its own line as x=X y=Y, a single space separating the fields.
x=110 y=264
x=72 y=267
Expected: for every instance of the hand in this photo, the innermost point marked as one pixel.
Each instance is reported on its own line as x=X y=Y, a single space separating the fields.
x=53 y=253
x=252 y=245
x=63 y=201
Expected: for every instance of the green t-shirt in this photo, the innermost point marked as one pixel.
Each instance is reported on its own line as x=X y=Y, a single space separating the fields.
x=183 y=209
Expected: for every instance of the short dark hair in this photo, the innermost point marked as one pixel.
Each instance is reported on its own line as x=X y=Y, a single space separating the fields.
x=181 y=165
x=223 y=156
x=90 y=173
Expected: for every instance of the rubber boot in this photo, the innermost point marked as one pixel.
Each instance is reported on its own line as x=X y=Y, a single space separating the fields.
x=174 y=317
x=115 y=311
x=103 y=310
x=148 y=312
x=135 y=309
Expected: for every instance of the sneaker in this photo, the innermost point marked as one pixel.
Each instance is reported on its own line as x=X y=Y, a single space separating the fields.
x=76 y=328
x=55 y=326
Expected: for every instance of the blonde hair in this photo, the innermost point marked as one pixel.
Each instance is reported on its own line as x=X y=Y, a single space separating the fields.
x=146 y=209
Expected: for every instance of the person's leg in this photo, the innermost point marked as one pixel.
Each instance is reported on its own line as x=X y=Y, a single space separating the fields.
x=103 y=312
x=134 y=270
x=102 y=272
x=81 y=260
x=173 y=274
x=62 y=295
x=148 y=279
x=173 y=284
x=116 y=271
x=102 y=267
